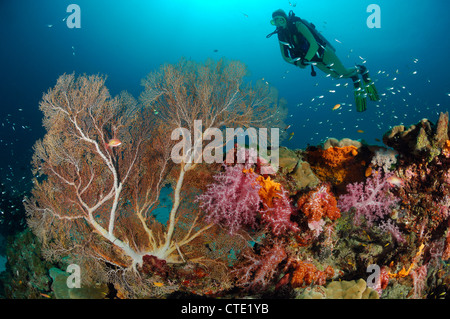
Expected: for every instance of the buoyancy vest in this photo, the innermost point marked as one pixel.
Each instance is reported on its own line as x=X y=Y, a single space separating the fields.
x=295 y=44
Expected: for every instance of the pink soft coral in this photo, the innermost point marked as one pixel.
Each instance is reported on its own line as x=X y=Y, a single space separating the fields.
x=233 y=200
x=278 y=216
x=371 y=199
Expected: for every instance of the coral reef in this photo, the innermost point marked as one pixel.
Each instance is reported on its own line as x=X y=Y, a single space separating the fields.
x=314 y=229
x=422 y=140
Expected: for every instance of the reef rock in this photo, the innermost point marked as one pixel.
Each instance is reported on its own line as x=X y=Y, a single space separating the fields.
x=62 y=291
x=298 y=172
x=422 y=140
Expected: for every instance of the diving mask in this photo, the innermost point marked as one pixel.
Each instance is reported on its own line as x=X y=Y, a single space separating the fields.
x=278 y=21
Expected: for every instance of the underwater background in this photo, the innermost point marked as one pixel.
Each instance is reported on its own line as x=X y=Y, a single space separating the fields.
x=125 y=40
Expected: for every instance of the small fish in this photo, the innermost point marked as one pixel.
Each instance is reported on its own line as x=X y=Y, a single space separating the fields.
x=337 y=41
x=114 y=143
x=378 y=140
x=45 y=295
x=215 y=50
x=245 y=15
x=360 y=131
x=291 y=136
x=337 y=106
x=49 y=25
x=395 y=181
x=287 y=127
x=158 y=284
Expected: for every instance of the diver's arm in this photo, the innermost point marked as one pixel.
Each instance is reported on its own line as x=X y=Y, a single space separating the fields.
x=283 y=54
x=288 y=59
x=313 y=45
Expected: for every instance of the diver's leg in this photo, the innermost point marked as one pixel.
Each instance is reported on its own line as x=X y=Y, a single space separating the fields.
x=334 y=64
x=359 y=93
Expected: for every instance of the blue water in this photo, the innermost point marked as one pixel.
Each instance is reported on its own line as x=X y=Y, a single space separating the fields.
x=407 y=56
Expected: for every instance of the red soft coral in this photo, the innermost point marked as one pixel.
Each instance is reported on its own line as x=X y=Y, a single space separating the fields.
x=319 y=203
x=233 y=200
x=371 y=199
x=257 y=271
x=306 y=273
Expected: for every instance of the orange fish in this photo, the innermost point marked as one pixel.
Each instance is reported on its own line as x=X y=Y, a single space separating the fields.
x=114 y=143
x=45 y=295
x=291 y=136
x=360 y=131
x=395 y=181
x=158 y=284
x=336 y=107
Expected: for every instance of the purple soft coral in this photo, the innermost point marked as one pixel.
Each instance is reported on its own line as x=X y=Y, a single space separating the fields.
x=233 y=200
x=370 y=199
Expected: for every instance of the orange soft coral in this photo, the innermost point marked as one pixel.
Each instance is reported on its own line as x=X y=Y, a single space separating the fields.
x=335 y=156
x=319 y=203
x=269 y=190
x=446 y=149
x=338 y=165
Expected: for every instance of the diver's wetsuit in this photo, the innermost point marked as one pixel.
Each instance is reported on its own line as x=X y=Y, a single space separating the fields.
x=323 y=55
x=301 y=44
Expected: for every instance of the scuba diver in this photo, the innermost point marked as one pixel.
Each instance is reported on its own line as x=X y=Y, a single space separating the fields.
x=302 y=45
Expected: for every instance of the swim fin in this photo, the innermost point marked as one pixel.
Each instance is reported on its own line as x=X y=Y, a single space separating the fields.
x=360 y=95
x=369 y=85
